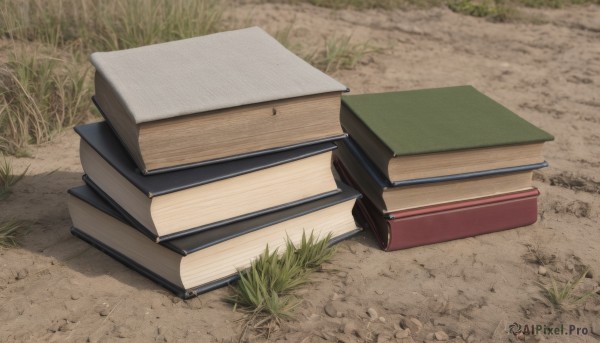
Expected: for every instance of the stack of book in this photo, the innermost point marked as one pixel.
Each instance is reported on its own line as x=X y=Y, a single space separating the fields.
x=439 y=164
x=212 y=149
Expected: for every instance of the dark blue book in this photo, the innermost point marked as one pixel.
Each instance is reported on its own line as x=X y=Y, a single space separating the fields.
x=208 y=259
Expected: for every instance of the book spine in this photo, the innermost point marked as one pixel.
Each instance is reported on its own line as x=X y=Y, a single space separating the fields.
x=463 y=203
x=460 y=223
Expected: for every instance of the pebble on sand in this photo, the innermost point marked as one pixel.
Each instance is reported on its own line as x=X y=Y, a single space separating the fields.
x=402 y=333
x=441 y=336
x=413 y=324
x=372 y=313
x=330 y=310
x=542 y=270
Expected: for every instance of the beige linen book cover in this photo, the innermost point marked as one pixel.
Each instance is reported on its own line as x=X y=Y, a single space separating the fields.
x=228 y=93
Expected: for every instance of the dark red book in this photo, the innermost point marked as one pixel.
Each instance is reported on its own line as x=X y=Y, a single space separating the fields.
x=444 y=222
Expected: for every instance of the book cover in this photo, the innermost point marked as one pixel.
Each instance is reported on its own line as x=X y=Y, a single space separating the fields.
x=439 y=120
x=206 y=73
x=187 y=245
x=102 y=139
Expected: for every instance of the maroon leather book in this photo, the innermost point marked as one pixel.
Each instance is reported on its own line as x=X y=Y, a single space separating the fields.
x=444 y=222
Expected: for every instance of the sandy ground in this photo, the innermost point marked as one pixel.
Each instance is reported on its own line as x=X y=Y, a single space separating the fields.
x=58 y=289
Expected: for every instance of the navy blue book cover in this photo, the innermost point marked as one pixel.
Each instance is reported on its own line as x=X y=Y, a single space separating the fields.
x=102 y=139
x=201 y=240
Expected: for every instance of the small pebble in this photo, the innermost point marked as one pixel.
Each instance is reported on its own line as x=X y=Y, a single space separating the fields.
x=372 y=313
x=176 y=300
x=75 y=296
x=21 y=274
x=104 y=312
x=590 y=274
x=379 y=292
x=330 y=310
x=349 y=328
x=413 y=324
x=542 y=270
x=402 y=333
x=417 y=324
x=441 y=336
x=382 y=319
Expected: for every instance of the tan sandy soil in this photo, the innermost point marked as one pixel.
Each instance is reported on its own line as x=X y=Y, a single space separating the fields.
x=58 y=289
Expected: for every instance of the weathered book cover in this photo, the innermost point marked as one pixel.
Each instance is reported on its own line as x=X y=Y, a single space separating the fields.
x=207 y=73
x=440 y=119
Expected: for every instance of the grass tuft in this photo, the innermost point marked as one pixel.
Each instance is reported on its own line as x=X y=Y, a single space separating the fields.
x=11 y=232
x=39 y=95
x=8 y=179
x=340 y=53
x=493 y=9
x=564 y=295
x=265 y=289
x=108 y=25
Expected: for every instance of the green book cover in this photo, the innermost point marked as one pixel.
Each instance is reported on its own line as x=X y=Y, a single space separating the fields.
x=441 y=119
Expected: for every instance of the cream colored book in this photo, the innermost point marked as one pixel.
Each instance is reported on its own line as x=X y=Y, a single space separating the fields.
x=209 y=98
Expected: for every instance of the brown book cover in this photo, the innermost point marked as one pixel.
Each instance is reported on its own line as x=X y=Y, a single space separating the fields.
x=444 y=222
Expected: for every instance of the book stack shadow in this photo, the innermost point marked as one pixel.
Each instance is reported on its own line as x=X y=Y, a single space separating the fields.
x=212 y=149
x=438 y=164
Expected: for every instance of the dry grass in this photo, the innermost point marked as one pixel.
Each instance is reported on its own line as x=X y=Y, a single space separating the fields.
x=7 y=178
x=337 y=52
x=341 y=53
x=11 y=232
x=108 y=25
x=40 y=93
